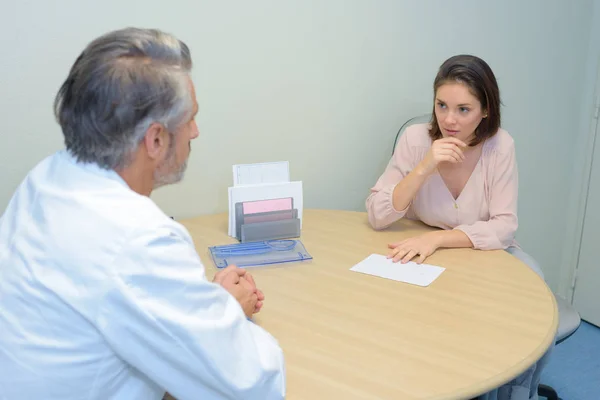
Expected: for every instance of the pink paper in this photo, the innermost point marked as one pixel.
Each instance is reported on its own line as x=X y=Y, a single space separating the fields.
x=259 y=206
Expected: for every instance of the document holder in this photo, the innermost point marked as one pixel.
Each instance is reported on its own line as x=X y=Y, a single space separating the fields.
x=245 y=219
x=269 y=230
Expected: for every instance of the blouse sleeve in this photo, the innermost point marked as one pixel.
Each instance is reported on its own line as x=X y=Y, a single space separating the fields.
x=380 y=208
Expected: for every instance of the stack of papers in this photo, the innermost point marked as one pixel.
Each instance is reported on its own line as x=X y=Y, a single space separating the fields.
x=262 y=181
x=411 y=272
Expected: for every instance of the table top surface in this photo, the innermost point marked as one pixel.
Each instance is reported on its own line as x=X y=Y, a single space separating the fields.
x=347 y=335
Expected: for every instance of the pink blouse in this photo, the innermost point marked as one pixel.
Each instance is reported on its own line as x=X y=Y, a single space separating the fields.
x=486 y=209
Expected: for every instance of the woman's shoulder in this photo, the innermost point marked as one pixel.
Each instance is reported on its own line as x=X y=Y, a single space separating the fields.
x=502 y=142
x=417 y=135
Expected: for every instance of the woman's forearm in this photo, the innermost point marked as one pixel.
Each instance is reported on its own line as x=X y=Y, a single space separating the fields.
x=406 y=190
x=451 y=239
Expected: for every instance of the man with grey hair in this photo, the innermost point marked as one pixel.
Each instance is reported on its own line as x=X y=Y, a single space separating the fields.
x=102 y=295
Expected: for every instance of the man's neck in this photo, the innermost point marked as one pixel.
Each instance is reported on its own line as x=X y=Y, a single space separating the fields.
x=138 y=179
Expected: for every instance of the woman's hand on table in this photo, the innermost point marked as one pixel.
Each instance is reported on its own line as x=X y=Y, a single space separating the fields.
x=421 y=246
x=424 y=245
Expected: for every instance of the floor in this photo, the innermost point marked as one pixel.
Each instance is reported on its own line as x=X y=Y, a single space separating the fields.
x=574 y=369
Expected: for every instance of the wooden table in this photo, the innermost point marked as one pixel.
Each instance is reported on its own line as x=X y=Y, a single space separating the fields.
x=347 y=335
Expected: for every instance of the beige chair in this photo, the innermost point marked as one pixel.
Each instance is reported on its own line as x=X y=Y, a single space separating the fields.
x=568 y=322
x=419 y=119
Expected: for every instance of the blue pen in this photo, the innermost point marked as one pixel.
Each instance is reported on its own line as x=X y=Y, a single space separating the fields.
x=254 y=247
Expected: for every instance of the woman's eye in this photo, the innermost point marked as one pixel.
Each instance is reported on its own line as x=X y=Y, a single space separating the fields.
x=464 y=110
x=441 y=105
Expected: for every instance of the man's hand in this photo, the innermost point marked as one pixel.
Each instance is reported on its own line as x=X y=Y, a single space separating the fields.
x=259 y=294
x=245 y=293
x=232 y=277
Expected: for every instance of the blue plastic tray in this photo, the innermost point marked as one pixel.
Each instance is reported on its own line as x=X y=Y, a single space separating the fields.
x=254 y=254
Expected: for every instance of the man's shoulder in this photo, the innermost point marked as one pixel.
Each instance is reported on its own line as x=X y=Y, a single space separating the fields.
x=131 y=215
x=87 y=205
x=102 y=194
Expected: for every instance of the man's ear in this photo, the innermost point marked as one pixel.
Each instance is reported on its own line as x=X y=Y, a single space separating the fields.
x=156 y=141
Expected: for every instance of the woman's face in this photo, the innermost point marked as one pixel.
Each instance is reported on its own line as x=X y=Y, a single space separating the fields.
x=458 y=112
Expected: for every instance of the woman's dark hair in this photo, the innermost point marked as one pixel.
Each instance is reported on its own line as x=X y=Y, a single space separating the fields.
x=478 y=77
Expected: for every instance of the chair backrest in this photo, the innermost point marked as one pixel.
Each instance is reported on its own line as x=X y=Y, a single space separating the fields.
x=419 y=119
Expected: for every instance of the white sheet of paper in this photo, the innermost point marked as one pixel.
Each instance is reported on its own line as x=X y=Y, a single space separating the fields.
x=411 y=272
x=264 y=192
x=261 y=173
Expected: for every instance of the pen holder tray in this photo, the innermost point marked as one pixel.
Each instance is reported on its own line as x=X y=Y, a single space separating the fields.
x=260 y=253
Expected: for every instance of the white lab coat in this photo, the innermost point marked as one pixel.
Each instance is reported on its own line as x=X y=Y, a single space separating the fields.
x=103 y=296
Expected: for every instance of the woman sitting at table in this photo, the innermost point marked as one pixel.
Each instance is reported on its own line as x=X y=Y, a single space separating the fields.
x=458 y=173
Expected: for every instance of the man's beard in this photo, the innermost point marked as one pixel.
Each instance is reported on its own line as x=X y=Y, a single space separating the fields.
x=169 y=172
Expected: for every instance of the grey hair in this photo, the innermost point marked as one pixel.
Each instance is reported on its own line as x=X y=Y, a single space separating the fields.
x=121 y=83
